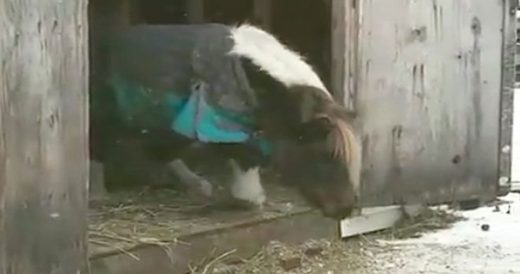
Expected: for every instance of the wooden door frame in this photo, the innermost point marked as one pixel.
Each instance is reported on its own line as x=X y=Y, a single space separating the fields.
x=507 y=96
x=344 y=52
x=43 y=136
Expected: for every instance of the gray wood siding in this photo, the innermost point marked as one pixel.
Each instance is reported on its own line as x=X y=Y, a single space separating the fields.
x=429 y=95
x=43 y=136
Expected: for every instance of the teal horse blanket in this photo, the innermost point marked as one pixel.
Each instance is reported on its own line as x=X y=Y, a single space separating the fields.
x=181 y=78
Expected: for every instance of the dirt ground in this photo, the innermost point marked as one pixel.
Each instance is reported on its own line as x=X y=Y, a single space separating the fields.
x=482 y=240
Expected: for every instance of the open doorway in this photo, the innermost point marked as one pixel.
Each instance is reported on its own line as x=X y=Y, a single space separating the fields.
x=143 y=215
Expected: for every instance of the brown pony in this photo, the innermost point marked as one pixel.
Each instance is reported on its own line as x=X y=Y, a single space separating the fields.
x=314 y=145
x=317 y=148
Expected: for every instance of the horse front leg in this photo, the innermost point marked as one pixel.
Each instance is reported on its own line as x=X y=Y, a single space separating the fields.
x=246 y=187
x=197 y=186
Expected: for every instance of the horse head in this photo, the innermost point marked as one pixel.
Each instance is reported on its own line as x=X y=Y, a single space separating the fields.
x=316 y=148
x=322 y=154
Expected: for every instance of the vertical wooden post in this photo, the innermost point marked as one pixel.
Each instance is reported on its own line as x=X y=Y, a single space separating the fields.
x=195 y=11
x=43 y=136
x=344 y=35
x=105 y=18
x=262 y=13
x=344 y=52
x=507 y=95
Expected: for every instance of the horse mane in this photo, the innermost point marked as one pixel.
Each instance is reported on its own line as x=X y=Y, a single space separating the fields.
x=289 y=68
x=346 y=146
x=273 y=57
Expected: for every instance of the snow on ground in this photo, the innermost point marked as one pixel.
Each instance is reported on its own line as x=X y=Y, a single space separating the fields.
x=464 y=248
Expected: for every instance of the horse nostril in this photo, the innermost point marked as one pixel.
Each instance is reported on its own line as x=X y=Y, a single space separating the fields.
x=338 y=213
x=345 y=213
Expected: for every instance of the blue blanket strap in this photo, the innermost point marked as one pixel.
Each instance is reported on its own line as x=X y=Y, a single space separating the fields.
x=198 y=120
x=193 y=116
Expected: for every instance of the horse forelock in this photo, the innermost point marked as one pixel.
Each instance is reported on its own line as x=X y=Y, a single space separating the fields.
x=346 y=146
x=273 y=57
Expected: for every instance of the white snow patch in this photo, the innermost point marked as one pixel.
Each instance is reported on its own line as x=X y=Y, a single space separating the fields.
x=465 y=247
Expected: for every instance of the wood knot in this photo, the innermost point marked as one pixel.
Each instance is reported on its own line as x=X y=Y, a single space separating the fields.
x=456 y=159
x=476 y=27
x=52 y=120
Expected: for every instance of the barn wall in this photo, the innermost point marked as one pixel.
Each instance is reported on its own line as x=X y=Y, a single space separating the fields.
x=507 y=100
x=344 y=51
x=430 y=88
x=43 y=136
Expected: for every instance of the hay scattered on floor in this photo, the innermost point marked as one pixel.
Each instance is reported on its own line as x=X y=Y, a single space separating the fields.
x=426 y=221
x=269 y=260
x=160 y=216
x=353 y=256
x=130 y=219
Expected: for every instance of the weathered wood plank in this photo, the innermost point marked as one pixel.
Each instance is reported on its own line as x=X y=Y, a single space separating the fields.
x=345 y=27
x=430 y=75
x=507 y=95
x=247 y=239
x=376 y=218
x=43 y=136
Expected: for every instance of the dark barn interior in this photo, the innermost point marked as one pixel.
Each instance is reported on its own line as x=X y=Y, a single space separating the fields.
x=131 y=219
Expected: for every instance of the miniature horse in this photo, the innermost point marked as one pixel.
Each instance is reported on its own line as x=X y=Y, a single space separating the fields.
x=314 y=146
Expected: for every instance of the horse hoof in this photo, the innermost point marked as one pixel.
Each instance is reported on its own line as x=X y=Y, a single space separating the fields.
x=280 y=208
x=201 y=190
x=258 y=203
x=205 y=188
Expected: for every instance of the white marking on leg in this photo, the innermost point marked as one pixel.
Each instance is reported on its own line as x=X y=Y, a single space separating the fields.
x=246 y=185
x=190 y=179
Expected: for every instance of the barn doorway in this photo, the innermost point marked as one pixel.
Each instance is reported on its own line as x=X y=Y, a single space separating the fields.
x=126 y=221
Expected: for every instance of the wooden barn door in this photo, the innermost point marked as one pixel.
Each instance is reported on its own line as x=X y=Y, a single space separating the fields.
x=43 y=136
x=345 y=27
x=434 y=89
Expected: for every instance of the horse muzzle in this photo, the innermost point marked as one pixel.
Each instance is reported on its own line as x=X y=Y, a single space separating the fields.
x=338 y=209
x=337 y=213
